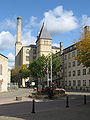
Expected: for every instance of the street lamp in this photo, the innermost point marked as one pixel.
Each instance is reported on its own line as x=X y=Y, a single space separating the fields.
x=51 y=67
x=49 y=74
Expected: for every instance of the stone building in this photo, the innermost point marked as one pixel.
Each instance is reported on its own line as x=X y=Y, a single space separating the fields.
x=26 y=54
x=73 y=74
x=4 y=73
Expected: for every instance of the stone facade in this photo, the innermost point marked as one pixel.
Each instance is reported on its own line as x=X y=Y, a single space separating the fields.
x=73 y=74
x=4 y=73
x=26 y=54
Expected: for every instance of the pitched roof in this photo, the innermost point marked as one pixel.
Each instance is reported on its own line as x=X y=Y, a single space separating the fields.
x=3 y=55
x=55 y=47
x=44 y=33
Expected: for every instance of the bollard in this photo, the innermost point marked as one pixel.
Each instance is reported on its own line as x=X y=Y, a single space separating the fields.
x=33 y=106
x=67 y=102
x=84 y=99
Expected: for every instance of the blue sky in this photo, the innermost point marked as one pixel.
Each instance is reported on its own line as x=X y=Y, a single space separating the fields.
x=64 y=19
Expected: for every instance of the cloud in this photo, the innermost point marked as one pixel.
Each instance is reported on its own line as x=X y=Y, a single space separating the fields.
x=11 y=57
x=7 y=40
x=8 y=28
x=59 y=20
x=56 y=44
x=33 y=21
x=11 y=60
x=85 y=20
x=28 y=38
x=8 y=24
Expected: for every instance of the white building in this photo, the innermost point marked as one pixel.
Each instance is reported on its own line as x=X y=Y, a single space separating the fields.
x=4 y=73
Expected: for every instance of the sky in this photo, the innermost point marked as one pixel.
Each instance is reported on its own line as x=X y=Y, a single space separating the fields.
x=64 y=19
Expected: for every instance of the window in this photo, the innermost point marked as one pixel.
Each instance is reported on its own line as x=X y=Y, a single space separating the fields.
x=73 y=53
x=65 y=83
x=34 y=51
x=78 y=72
x=89 y=82
x=65 y=57
x=27 y=58
x=0 y=69
x=27 y=51
x=79 y=82
x=73 y=63
x=34 y=57
x=78 y=52
x=84 y=82
x=46 y=42
x=65 y=65
x=65 y=74
x=69 y=83
x=78 y=63
x=69 y=73
x=69 y=55
x=89 y=71
x=74 y=82
x=74 y=73
x=69 y=64
x=84 y=71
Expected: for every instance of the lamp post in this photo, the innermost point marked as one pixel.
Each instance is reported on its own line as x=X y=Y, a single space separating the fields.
x=47 y=75
x=51 y=68
x=61 y=62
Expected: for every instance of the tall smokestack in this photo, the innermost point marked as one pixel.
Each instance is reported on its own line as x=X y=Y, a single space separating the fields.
x=18 y=43
x=18 y=36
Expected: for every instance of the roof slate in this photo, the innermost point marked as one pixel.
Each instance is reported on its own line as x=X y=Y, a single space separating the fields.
x=44 y=33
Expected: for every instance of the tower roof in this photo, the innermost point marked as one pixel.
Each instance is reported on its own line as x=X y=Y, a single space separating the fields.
x=44 y=33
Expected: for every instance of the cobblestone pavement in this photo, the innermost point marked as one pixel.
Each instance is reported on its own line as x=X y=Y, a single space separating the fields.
x=55 y=110
x=10 y=96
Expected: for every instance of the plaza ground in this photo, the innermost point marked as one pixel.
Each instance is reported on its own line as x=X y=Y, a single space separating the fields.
x=10 y=109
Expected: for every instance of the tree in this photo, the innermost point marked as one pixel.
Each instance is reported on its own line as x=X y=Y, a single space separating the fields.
x=83 y=47
x=25 y=72
x=18 y=73
x=55 y=64
x=37 y=67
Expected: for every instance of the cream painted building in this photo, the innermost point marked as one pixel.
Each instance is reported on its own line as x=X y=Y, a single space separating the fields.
x=73 y=75
x=4 y=73
x=26 y=54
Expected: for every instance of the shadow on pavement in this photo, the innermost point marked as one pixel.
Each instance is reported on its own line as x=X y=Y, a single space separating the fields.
x=53 y=109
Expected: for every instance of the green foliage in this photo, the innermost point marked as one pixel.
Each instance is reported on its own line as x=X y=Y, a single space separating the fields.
x=25 y=72
x=55 y=64
x=18 y=73
x=37 y=67
x=83 y=46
